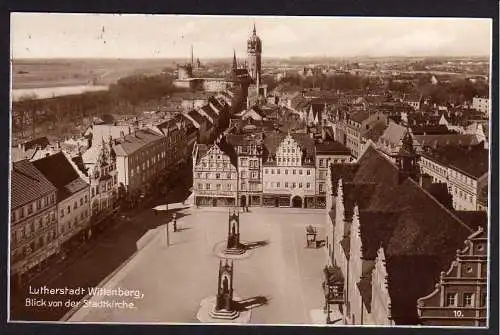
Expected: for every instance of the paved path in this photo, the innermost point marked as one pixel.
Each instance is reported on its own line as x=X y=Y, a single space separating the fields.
x=174 y=280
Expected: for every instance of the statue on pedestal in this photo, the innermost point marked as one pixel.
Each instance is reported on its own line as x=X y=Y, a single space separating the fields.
x=225 y=288
x=224 y=307
x=233 y=235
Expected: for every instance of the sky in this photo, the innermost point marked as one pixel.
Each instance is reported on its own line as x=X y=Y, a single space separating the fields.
x=63 y=35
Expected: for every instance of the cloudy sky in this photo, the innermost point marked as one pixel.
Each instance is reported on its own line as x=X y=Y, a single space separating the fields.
x=45 y=35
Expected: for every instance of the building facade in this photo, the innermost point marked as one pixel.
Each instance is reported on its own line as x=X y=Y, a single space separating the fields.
x=328 y=153
x=215 y=177
x=289 y=171
x=140 y=158
x=73 y=199
x=463 y=169
x=481 y=104
x=460 y=297
x=33 y=221
x=249 y=154
x=357 y=125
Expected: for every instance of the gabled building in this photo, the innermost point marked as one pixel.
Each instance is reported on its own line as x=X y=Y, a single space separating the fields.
x=460 y=296
x=248 y=149
x=33 y=221
x=289 y=170
x=100 y=170
x=357 y=124
x=388 y=238
x=215 y=176
x=73 y=199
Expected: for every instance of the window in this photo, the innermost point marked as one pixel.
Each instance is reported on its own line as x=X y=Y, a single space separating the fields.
x=272 y=171
x=81 y=201
x=286 y=171
x=300 y=171
x=300 y=185
x=294 y=185
x=62 y=212
x=468 y=299
x=278 y=171
x=68 y=209
x=30 y=209
x=286 y=184
x=265 y=171
x=294 y=171
x=321 y=162
x=228 y=176
x=198 y=175
x=321 y=187
x=200 y=186
x=86 y=198
x=278 y=184
x=39 y=204
x=217 y=175
x=308 y=185
x=207 y=186
x=218 y=187
x=308 y=172
x=451 y=299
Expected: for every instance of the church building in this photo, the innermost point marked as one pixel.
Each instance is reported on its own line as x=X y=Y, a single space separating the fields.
x=387 y=237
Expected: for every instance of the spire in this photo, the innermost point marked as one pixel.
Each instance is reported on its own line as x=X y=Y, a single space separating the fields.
x=235 y=65
x=254 y=30
x=407 y=158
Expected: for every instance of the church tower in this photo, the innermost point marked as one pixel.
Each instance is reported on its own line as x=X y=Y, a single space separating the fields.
x=254 y=51
x=407 y=159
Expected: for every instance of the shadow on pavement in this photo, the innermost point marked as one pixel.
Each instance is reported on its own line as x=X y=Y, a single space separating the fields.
x=250 y=303
x=256 y=244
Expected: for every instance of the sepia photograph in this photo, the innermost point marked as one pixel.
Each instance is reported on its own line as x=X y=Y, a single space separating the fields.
x=249 y=170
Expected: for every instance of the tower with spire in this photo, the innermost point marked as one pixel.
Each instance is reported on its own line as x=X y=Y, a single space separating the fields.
x=254 y=51
x=235 y=64
x=407 y=159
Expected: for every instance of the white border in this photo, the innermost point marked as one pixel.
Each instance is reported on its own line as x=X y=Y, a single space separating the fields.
x=490 y=20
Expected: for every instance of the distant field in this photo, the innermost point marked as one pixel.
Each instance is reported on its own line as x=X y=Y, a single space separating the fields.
x=41 y=73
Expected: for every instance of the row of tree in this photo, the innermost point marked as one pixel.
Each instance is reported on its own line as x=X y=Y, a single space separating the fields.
x=123 y=97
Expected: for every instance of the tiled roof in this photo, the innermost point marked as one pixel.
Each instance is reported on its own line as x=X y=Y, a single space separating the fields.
x=342 y=171
x=197 y=117
x=28 y=184
x=131 y=143
x=474 y=219
x=375 y=131
x=393 y=133
x=409 y=224
x=446 y=139
x=332 y=147
x=210 y=112
x=61 y=174
x=360 y=116
x=472 y=160
x=41 y=142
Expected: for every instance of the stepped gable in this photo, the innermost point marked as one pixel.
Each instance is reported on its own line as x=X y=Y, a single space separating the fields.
x=342 y=171
x=409 y=278
x=375 y=229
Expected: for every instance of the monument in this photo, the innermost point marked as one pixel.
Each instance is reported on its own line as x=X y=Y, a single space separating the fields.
x=224 y=307
x=233 y=246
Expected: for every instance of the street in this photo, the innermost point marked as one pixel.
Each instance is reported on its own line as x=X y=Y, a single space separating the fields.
x=99 y=257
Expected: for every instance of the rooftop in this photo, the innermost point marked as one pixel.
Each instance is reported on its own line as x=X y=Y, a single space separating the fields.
x=61 y=174
x=28 y=184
